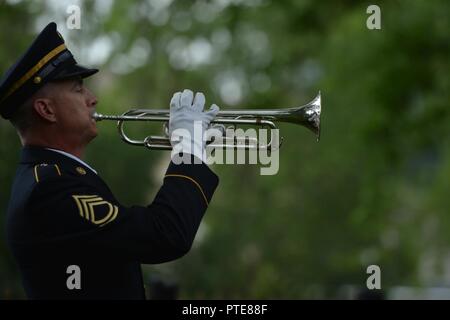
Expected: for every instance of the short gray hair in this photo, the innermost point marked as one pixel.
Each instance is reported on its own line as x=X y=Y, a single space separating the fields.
x=24 y=117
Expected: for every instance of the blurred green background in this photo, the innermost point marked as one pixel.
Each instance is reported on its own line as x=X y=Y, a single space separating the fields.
x=372 y=191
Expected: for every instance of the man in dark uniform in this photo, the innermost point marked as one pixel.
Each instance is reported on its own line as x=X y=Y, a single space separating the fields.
x=69 y=235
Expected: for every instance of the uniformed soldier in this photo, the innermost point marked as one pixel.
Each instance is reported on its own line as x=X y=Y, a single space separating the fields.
x=63 y=221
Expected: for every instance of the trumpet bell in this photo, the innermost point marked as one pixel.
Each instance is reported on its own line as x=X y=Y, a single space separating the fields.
x=307 y=115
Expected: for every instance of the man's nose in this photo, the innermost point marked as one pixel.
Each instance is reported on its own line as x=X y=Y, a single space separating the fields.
x=92 y=99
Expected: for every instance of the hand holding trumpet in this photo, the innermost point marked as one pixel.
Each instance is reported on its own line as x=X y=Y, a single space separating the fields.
x=188 y=123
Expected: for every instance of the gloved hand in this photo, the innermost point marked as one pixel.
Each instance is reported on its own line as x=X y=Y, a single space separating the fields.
x=188 y=123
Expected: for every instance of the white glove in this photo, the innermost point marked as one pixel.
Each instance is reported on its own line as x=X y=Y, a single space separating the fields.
x=188 y=123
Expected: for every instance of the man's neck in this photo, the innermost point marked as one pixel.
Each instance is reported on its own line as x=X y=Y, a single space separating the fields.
x=75 y=151
x=53 y=139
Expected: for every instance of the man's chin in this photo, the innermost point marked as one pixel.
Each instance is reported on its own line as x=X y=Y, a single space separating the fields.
x=94 y=129
x=93 y=134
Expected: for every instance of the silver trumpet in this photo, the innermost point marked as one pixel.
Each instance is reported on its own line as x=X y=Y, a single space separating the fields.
x=307 y=115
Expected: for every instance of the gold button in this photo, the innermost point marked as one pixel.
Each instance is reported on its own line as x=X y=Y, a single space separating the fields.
x=81 y=171
x=37 y=80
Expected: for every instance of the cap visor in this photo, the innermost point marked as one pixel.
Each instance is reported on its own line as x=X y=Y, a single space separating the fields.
x=75 y=71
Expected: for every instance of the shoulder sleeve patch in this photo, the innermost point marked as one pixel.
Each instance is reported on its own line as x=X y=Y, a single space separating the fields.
x=44 y=170
x=95 y=209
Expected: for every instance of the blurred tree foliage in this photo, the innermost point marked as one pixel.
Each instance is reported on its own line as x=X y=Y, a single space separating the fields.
x=373 y=191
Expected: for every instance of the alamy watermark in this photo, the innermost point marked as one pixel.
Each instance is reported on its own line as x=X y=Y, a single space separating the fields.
x=374 y=280
x=374 y=20
x=73 y=21
x=232 y=146
x=73 y=281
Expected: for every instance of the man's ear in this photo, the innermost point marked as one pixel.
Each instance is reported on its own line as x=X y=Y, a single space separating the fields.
x=45 y=109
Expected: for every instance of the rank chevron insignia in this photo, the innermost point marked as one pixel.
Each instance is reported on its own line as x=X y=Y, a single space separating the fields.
x=87 y=204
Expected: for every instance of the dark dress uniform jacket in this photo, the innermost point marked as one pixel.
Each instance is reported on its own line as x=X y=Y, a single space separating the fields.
x=62 y=214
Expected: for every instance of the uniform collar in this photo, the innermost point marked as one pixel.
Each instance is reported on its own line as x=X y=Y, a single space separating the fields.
x=73 y=157
x=34 y=154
